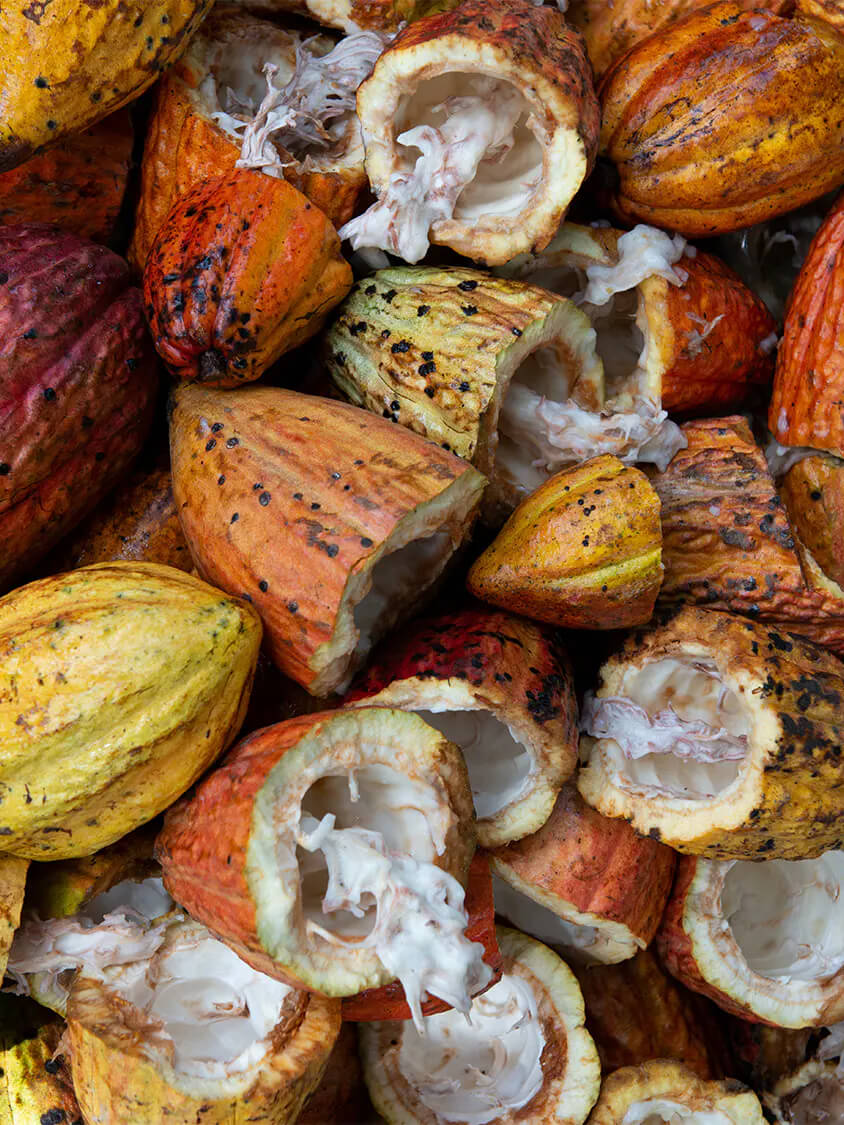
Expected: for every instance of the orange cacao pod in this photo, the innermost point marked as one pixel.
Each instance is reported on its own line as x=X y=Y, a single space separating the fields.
x=244 y=269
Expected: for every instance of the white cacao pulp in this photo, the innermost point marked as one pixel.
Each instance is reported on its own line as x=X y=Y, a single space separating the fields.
x=378 y=895
x=477 y=158
x=474 y=1071
x=677 y=731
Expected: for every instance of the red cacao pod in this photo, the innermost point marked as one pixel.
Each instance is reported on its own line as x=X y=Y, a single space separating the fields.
x=77 y=385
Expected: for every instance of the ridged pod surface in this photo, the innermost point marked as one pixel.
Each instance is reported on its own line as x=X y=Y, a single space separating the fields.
x=610 y=30
x=137 y=523
x=582 y=552
x=293 y=500
x=813 y=494
x=593 y=872
x=225 y=851
x=78 y=184
x=806 y=404
x=121 y=684
x=386 y=15
x=724 y=119
x=636 y=1011
x=37 y=1088
x=77 y=385
x=243 y=269
x=728 y=542
x=64 y=65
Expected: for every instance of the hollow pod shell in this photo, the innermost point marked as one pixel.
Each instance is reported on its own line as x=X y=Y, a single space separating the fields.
x=78 y=184
x=435 y=349
x=637 y=1011
x=192 y=135
x=805 y=405
x=728 y=541
x=37 y=1086
x=244 y=878
x=77 y=386
x=243 y=269
x=296 y=500
x=584 y=884
x=662 y=1088
x=503 y=53
x=583 y=551
x=541 y=1067
x=64 y=66
x=129 y=680
x=700 y=118
x=720 y=737
x=761 y=940
x=139 y=1041
x=609 y=31
x=501 y=688
x=673 y=324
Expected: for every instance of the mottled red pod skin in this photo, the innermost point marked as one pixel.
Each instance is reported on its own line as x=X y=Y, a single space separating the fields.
x=388 y=1002
x=77 y=385
x=806 y=406
x=243 y=269
x=699 y=378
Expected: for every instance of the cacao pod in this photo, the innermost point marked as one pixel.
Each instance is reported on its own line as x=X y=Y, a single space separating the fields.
x=121 y=684
x=77 y=386
x=243 y=269
x=726 y=118
x=63 y=66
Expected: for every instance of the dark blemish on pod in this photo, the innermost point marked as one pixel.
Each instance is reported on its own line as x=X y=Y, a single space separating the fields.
x=42 y=83
x=5 y=468
x=315 y=507
x=235 y=517
x=365 y=541
x=400 y=347
x=430 y=392
x=370 y=291
x=516 y=331
x=464 y=386
x=468 y=310
x=264 y=499
x=232 y=442
x=221 y=479
x=427 y=368
x=293 y=607
x=210 y=444
x=467 y=286
x=297 y=496
x=257 y=486
x=215 y=429
x=31 y=334
x=263 y=585
x=423 y=310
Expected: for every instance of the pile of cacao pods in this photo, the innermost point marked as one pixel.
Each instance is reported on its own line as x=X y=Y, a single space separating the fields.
x=421 y=564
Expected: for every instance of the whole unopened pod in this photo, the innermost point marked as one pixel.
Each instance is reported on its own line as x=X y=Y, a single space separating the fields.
x=501 y=688
x=333 y=522
x=720 y=737
x=128 y=681
x=724 y=119
x=763 y=940
x=77 y=386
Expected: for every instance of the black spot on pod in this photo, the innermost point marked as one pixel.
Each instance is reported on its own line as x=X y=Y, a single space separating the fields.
x=264 y=499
